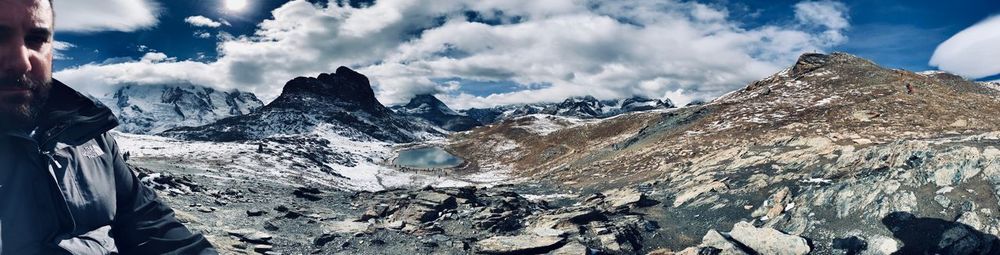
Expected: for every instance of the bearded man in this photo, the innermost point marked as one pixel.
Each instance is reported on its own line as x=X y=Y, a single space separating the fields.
x=64 y=187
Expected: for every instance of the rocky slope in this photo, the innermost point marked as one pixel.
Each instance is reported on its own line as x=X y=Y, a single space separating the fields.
x=429 y=108
x=577 y=107
x=151 y=109
x=829 y=150
x=340 y=103
x=835 y=155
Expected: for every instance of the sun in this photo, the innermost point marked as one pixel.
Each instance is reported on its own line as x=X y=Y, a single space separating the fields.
x=235 y=5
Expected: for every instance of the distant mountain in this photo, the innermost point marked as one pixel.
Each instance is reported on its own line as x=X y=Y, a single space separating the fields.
x=341 y=103
x=586 y=107
x=429 y=108
x=151 y=109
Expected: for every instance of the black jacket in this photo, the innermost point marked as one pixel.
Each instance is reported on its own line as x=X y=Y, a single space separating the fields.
x=64 y=188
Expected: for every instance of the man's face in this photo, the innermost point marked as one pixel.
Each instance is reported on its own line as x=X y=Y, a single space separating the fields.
x=25 y=60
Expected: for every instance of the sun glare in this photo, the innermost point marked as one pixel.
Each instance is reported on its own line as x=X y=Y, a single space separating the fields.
x=235 y=5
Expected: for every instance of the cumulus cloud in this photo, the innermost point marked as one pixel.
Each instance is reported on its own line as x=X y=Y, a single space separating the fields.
x=829 y=15
x=87 y=16
x=202 y=21
x=553 y=49
x=973 y=52
x=59 y=47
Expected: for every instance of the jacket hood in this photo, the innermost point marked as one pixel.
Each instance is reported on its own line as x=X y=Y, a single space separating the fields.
x=71 y=118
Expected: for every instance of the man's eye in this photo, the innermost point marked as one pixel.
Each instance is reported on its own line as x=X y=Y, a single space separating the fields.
x=36 y=41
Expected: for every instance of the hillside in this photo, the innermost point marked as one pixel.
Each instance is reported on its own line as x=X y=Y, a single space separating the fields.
x=835 y=140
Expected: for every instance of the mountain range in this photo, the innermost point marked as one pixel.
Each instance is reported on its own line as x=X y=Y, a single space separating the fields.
x=341 y=103
x=833 y=155
x=151 y=109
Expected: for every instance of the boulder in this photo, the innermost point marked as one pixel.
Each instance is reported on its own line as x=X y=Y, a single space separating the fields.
x=768 y=240
x=626 y=198
x=573 y=248
x=523 y=244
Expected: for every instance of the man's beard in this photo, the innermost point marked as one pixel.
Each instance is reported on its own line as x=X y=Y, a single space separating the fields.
x=20 y=110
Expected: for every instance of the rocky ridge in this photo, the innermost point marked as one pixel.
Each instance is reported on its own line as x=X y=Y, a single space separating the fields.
x=342 y=103
x=586 y=107
x=824 y=150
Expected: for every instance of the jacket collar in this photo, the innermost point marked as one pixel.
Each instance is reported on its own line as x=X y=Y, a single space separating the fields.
x=71 y=118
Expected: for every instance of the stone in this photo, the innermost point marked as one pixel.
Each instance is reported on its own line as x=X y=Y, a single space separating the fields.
x=621 y=198
x=881 y=245
x=715 y=240
x=251 y=236
x=436 y=200
x=255 y=213
x=943 y=201
x=310 y=194
x=347 y=227
x=574 y=248
x=324 y=239
x=547 y=232
x=263 y=248
x=523 y=244
x=768 y=240
x=395 y=225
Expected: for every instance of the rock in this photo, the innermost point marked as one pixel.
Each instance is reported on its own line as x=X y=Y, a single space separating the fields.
x=324 y=239
x=350 y=227
x=713 y=239
x=307 y=194
x=768 y=240
x=263 y=248
x=251 y=236
x=255 y=213
x=568 y=221
x=547 y=232
x=395 y=225
x=621 y=198
x=775 y=206
x=436 y=200
x=943 y=201
x=523 y=244
x=573 y=248
x=881 y=245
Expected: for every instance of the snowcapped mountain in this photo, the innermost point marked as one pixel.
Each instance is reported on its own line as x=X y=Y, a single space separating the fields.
x=151 y=109
x=586 y=107
x=429 y=108
x=341 y=103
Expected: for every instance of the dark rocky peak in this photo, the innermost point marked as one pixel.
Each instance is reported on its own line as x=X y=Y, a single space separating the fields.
x=425 y=99
x=811 y=61
x=346 y=88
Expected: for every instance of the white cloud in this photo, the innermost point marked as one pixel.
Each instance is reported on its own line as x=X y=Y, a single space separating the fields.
x=59 y=47
x=829 y=15
x=202 y=34
x=202 y=21
x=682 y=50
x=973 y=52
x=87 y=16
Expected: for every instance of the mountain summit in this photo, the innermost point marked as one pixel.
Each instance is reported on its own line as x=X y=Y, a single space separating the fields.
x=430 y=108
x=341 y=103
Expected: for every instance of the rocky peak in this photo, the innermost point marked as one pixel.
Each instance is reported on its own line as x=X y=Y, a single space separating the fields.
x=348 y=88
x=425 y=99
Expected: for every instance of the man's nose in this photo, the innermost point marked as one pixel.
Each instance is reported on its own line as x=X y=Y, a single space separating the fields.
x=15 y=60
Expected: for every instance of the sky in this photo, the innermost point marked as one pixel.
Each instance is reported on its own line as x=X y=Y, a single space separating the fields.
x=481 y=53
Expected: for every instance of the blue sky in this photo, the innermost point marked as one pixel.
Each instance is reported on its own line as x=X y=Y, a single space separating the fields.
x=481 y=53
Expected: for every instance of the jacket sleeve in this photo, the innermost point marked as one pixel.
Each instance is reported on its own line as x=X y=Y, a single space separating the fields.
x=145 y=225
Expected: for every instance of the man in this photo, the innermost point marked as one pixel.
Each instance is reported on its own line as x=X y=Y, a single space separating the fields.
x=64 y=187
